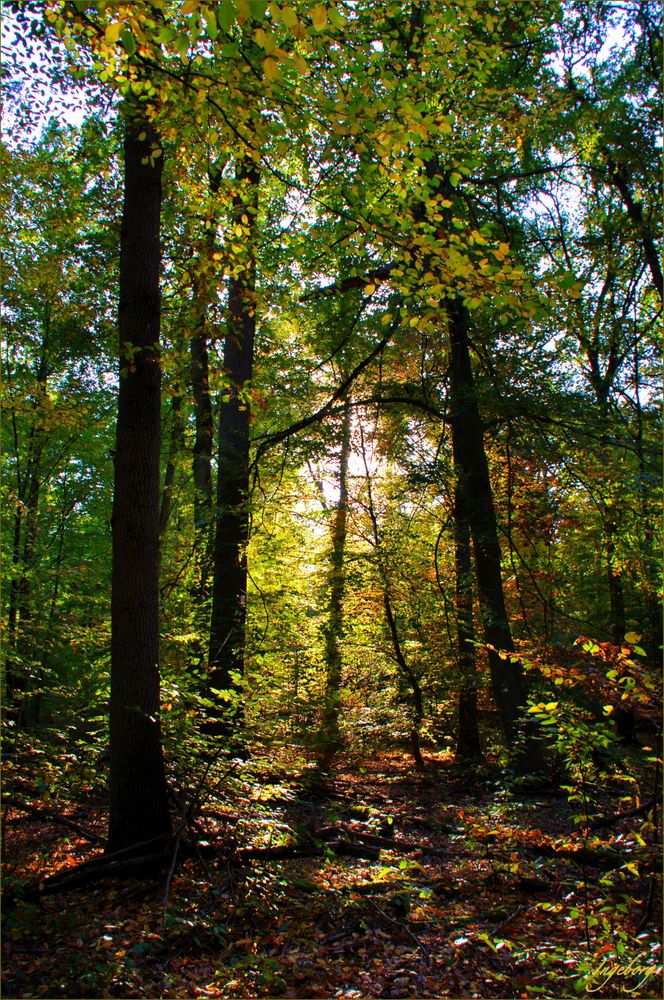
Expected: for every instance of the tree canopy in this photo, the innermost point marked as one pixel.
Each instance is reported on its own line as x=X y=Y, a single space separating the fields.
x=331 y=435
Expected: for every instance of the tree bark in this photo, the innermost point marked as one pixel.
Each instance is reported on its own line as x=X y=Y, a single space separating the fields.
x=468 y=446
x=138 y=807
x=337 y=580
x=229 y=585
x=175 y=447
x=619 y=178
x=405 y=669
x=468 y=747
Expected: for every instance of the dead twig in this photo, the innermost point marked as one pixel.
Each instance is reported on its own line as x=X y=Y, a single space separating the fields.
x=395 y=923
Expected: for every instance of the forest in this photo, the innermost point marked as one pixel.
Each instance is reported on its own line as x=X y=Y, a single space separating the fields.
x=331 y=478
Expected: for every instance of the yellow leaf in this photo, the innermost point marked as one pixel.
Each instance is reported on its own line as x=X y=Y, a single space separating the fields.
x=190 y=6
x=369 y=289
x=319 y=18
x=289 y=17
x=632 y=637
x=112 y=32
x=270 y=69
x=300 y=64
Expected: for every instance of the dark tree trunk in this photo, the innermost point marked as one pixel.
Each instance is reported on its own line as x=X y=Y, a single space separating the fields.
x=175 y=448
x=21 y=673
x=410 y=676
x=614 y=579
x=203 y=443
x=334 y=628
x=634 y=209
x=200 y=384
x=468 y=747
x=468 y=444
x=229 y=585
x=138 y=808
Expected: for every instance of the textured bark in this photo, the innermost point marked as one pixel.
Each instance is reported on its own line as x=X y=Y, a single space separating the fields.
x=619 y=177
x=138 y=807
x=334 y=628
x=176 y=447
x=229 y=585
x=204 y=291
x=470 y=457
x=468 y=745
x=20 y=678
x=405 y=669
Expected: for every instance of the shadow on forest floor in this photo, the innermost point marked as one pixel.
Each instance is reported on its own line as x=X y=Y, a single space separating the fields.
x=469 y=889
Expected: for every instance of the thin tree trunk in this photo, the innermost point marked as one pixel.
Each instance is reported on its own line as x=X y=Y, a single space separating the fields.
x=468 y=445
x=27 y=642
x=406 y=671
x=203 y=293
x=175 y=448
x=138 y=807
x=229 y=585
x=469 y=746
x=618 y=176
x=334 y=628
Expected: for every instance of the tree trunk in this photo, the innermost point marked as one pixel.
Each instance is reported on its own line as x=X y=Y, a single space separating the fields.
x=203 y=293
x=21 y=675
x=468 y=445
x=333 y=631
x=176 y=446
x=229 y=585
x=405 y=669
x=138 y=808
x=468 y=747
x=634 y=209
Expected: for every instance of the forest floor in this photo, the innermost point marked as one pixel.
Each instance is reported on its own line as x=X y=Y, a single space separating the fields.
x=477 y=888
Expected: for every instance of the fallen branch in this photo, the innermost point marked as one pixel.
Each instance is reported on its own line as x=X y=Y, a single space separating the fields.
x=425 y=951
x=342 y=848
x=46 y=816
x=625 y=814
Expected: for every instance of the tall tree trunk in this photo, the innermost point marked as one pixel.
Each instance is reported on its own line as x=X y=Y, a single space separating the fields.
x=176 y=446
x=21 y=674
x=138 y=808
x=203 y=292
x=468 y=747
x=229 y=585
x=407 y=673
x=468 y=445
x=619 y=177
x=337 y=580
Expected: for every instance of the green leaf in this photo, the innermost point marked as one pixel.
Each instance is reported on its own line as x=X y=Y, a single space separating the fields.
x=211 y=26
x=226 y=14
x=181 y=45
x=128 y=42
x=166 y=34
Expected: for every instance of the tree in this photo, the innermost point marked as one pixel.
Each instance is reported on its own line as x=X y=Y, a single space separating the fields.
x=138 y=806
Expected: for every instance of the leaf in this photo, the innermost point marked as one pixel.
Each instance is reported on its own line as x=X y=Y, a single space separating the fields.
x=128 y=42
x=112 y=32
x=319 y=18
x=166 y=34
x=270 y=68
x=226 y=14
x=211 y=26
x=181 y=45
x=289 y=17
x=633 y=637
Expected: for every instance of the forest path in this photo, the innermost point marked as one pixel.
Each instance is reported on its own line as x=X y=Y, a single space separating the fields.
x=465 y=895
